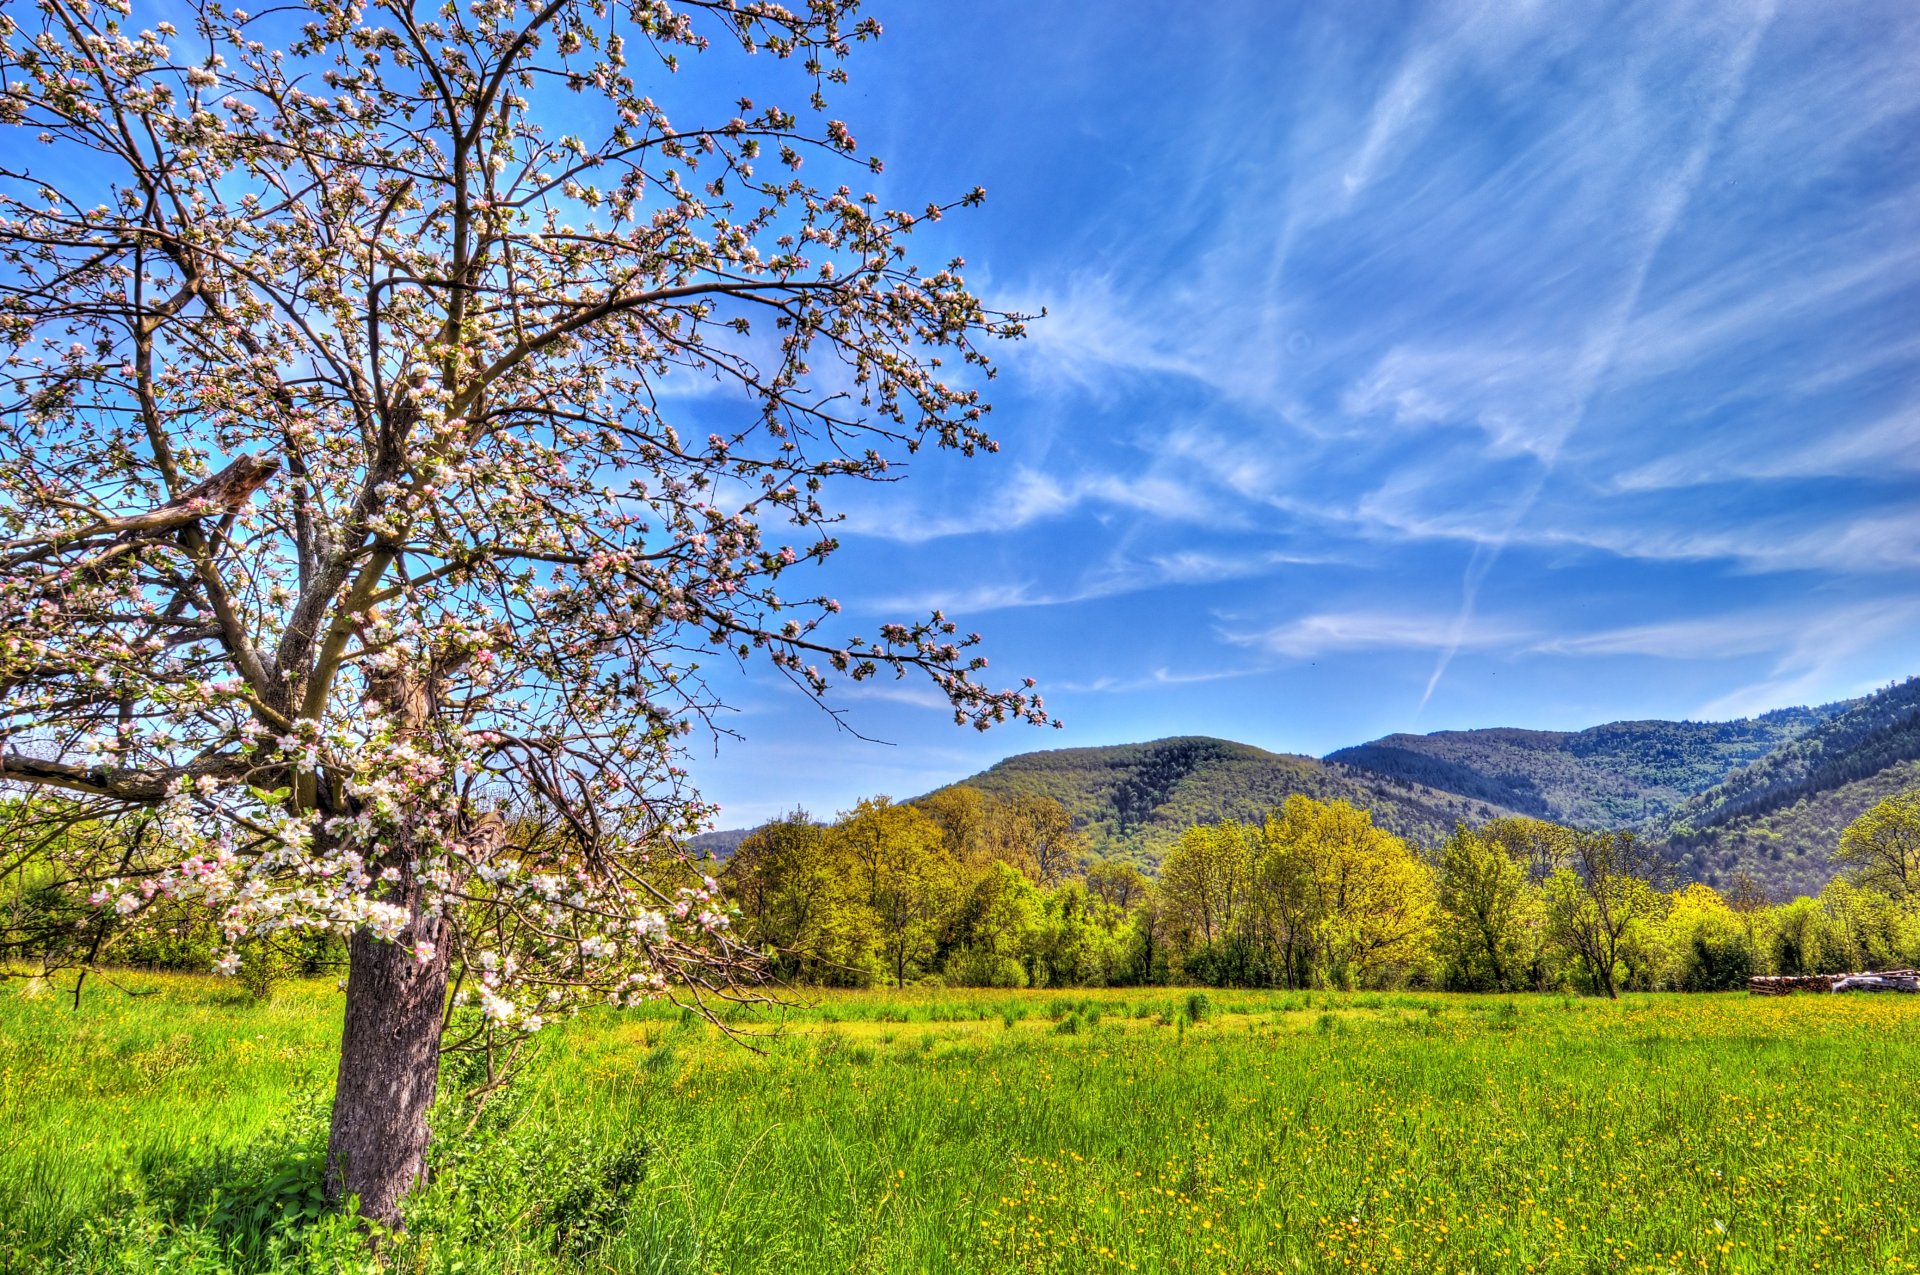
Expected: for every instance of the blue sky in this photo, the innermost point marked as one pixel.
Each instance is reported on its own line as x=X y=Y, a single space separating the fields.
x=1406 y=368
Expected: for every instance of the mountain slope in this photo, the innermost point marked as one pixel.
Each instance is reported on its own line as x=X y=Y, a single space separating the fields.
x=1605 y=776
x=1864 y=738
x=1785 y=848
x=1766 y=795
x=1777 y=817
x=1134 y=799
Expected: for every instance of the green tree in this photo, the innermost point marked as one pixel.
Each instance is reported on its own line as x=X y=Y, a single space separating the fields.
x=792 y=884
x=1483 y=938
x=1118 y=884
x=996 y=930
x=1283 y=914
x=1541 y=847
x=1205 y=883
x=1035 y=833
x=1872 y=930
x=905 y=875
x=1882 y=846
x=1075 y=948
x=1804 y=940
x=965 y=815
x=1595 y=903
x=1703 y=944
x=1369 y=898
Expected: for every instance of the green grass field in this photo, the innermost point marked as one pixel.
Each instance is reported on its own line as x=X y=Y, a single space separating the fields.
x=993 y=1131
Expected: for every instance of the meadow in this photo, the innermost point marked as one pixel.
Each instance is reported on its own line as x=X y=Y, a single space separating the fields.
x=172 y=1124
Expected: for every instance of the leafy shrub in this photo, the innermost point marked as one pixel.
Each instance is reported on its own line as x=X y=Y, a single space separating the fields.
x=983 y=967
x=598 y=1186
x=254 y=1200
x=1717 y=962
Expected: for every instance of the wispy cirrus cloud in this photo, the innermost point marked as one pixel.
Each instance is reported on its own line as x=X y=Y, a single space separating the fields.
x=1333 y=632
x=1875 y=448
x=1804 y=646
x=1155 y=679
x=1117 y=578
x=1421 y=335
x=1031 y=496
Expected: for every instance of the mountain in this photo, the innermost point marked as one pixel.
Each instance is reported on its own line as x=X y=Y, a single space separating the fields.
x=1785 y=848
x=1133 y=800
x=720 y=843
x=1766 y=795
x=1605 y=776
x=1778 y=816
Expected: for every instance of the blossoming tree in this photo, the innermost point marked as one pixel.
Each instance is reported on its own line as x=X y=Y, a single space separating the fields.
x=399 y=404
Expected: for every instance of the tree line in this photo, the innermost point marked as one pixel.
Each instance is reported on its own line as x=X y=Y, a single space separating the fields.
x=972 y=889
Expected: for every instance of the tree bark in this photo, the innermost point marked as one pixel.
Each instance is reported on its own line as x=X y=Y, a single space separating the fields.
x=389 y=1067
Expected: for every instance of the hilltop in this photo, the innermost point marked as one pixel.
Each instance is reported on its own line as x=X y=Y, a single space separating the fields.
x=1133 y=800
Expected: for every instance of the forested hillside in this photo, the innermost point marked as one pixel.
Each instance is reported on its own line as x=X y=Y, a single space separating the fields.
x=1864 y=738
x=1765 y=795
x=1785 y=848
x=1777 y=817
x=1133 y=800
x=1606 y=776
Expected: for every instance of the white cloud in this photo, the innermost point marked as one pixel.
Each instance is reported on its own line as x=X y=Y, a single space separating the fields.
x=1840 y=540
x=892 y=691
x=1031 y=496
x=1332 y=632
x=1889 y=443
x=1116 y=579
x=1710 y=638
x=1810 y=647
x=1813 y=662
x=1158 y=678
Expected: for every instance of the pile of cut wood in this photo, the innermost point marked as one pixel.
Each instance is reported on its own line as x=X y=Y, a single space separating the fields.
x=1876 y=981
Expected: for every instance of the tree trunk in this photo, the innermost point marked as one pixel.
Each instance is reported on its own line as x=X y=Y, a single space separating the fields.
x=389 y=1066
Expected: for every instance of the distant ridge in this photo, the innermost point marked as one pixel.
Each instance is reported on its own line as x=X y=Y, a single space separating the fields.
x=1619 y=773
x=1765 y=795
x=1133 y=800
x=1777 y=817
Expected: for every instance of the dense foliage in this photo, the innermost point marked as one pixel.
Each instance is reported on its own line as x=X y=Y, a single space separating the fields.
x=971 y=889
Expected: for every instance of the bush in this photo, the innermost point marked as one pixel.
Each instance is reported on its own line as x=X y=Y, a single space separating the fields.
x=1716 y=962
x=255 y=1200
x=983 y=967
x=599 y=1186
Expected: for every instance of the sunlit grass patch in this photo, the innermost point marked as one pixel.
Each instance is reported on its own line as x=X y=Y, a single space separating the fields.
x=935 y=1129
